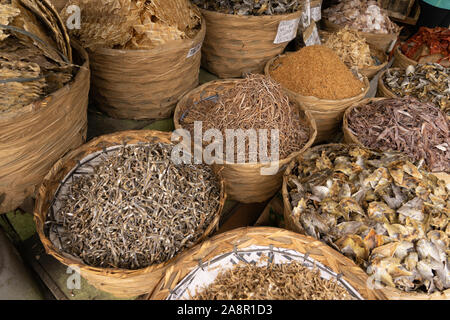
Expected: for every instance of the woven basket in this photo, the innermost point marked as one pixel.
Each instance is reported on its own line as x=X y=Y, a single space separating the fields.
x=236 y=45
x=402 y=61
x=377 y=40
x=33 y=138
x=294 y=225
x=145 y=84
x=243 y=182
x=242 y=238
x=382 y=90
x=349 y=137
x=59 y=4
x=119 y=282
x=327 y=113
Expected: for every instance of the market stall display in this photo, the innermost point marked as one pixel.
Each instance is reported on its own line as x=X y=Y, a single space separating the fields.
x=366 y=18
x=239 y=40
x=96 y=213
x=144 y=56
x=44 y=96
x=316 y=78
x=428 y=82
x=256 y=103
x=380 y=210
x=427 y=45
x=285 y=251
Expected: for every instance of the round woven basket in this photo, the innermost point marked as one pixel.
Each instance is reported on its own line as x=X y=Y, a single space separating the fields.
x=350 y=138
x=327 y=113
x=236 y=45
x=145 y=84
x=294 y=225
x=119 y=282
x=243 y=182
x=33 y=138
x=377 y=40
x=402 y=61
x=242 y=238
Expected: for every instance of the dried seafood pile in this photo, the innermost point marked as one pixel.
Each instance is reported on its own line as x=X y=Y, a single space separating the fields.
x=35 y=54
x=417 y=129
x=380 y=210
x=316 y=71
x=351 y=48
x=134 y=24
x=428 y=82
x=429 y=44
x=364 y=16
x=285 y=281
x=253 y=103
x=250 y=7
x=135 y=209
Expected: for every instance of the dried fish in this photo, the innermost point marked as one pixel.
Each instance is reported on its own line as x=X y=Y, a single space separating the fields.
x=286 y=281
x=134 y=208
x=250 y=7
x=405 y=125
x=365 y=16
x=401 y=242
x=429 y=82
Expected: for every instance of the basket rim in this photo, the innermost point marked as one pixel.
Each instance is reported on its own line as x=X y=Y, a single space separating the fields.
x=216 y=83
x=41 y=206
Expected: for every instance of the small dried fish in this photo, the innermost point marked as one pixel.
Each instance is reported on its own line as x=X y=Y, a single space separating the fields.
x=250 y=7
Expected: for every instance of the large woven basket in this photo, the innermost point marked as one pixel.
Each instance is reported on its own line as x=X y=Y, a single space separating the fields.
x=243 y=182
x=145 y=84
x=243 y=238
x=327 y=113
x=33 y=138
x=402 y=61
x=236 y=45
x=377 y=40
x=349 y=137
x=294 y=225
x=119 y=282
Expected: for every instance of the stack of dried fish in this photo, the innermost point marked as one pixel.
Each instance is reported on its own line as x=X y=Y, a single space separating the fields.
x=250 y=7
x=419 y=130
x=428 y=82
x=133 y=208
x=134 y=24
x=351 y=48
x=285 y=281
x=364 y=16
x=35 y=55
x=386 y=214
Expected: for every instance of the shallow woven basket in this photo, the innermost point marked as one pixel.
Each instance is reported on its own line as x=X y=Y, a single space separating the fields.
x=145 y=84
x=236 y=45
x=243 y=182
x=349 y=137
x=327 y=113
x=119 y=282
x=263 y=236
x=402 y=61
x=33 y=138
x=377 y=40
x=294 y=225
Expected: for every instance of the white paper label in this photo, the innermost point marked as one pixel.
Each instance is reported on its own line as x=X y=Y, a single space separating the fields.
x=194 y=50
x=313 y=38
x=306 y=15
x=316 y=14
x=287 y=30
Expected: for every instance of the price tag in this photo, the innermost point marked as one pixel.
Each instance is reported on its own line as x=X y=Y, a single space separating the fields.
x=316 y=13
x=287 y=30
x=194 y=50
x=306 y=15
x=311 y=35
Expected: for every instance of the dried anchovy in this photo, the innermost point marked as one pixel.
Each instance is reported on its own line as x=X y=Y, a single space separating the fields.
x=378 y=209
x=417 y=129
x=256 y=102
x=288 y=281
x=136 y=209
x=250 y=7
x=429 y=82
